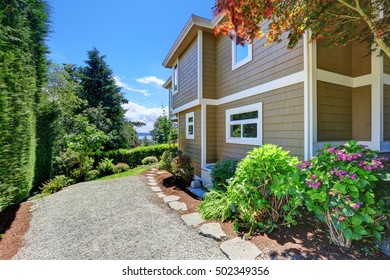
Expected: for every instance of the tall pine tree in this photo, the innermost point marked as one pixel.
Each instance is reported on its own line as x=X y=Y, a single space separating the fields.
x=102 y=93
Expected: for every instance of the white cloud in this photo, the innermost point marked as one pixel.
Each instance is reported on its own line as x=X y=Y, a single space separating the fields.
x=151 y=80
x=137 y=112
x=121 y=84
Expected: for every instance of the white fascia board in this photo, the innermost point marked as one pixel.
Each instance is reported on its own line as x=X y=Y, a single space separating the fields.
x=186 y=106
x=192 y=22
x=167 y=82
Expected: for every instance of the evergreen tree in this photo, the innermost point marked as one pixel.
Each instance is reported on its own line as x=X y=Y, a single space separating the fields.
x=23 y=28
x=102 y=93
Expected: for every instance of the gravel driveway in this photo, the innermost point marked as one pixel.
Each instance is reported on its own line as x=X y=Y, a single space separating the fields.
x=117 y=219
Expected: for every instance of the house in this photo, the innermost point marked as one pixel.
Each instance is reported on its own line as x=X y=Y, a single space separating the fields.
x=228 y=98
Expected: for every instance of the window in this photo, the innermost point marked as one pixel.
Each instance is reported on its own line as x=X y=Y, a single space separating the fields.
x=190 y=126
x=175 y=79
x=241 y=52
x=244 y=125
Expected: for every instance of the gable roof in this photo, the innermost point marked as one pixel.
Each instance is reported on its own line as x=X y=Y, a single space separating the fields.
x=187 y=34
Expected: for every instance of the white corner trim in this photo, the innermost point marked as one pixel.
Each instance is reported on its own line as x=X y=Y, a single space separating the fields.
x=203 y=140
x=200 y=64
x=343 y=80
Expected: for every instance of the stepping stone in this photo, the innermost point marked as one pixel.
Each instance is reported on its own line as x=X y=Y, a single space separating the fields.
x=149 y=175
x=160 y=172
x=170 y=198
x=238 y=249
x=212 y=230
x=161 y=195
x=152 y=184
x=151 y=180
x=176 y=205
x=192 y=219
x=156 y=189
x=153 y=169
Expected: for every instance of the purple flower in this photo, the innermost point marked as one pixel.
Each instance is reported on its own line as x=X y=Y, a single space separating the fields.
x=352 y=176
x=331 y=150
x=348 y=197
x=340 y=219
x=356 y=206
x=361 y=163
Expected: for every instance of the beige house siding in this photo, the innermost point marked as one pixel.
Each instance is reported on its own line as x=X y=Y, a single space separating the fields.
x=334 y=112
x=268 y=63
x=188 y=76
x=351 y=60
x=191 y=147
x=386 y=109
x=209 y=65
x=211 y=134
x=282 y=122
x=361 y=113
x=386 y=64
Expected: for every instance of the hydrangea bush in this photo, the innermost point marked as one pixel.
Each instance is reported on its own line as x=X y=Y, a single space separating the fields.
x=339 y=188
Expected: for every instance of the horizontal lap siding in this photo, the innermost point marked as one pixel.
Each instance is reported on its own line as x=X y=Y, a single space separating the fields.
x=282 y=122
x=361 y=59
x=191 y=147
x=268 y=63
x=386 y=65
x=386 y=109
x=334 y=112
x=361 y=113
x=209 y=65
x=211 y=134
x=188 y=77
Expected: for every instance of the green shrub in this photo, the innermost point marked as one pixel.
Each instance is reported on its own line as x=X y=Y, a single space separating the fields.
x=339 y=188
x=149 y=160
x=106 y=167
x=92 y=175
x=261 y=195
x=167 y=157
x=133 y=157
x=121 y=167
x=221 y=172
x=182 y=168
x=55 y=184
x=66 y=162
x=80 y=174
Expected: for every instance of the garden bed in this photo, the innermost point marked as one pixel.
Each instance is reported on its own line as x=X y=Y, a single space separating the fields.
x=307 y=240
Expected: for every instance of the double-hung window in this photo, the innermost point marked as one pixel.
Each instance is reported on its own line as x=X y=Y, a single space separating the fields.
x=241 y=52
x=175 y=79
x=244 y=125
x=190 y=131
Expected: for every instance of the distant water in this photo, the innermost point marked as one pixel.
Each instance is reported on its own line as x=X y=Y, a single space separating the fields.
x=141 y=135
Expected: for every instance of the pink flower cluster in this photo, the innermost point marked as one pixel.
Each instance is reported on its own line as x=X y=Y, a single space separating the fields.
x=374 y=164
x=341 y=174
x=344 y=156
x=312 y=182
x=303 y=164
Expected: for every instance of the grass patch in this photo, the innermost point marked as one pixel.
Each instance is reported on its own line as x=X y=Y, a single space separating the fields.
x=132 y=172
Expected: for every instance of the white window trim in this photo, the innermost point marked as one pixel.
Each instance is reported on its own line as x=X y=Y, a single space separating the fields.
x=244 y=61
x=189 y=115
x=247 y=141
x=175 y=79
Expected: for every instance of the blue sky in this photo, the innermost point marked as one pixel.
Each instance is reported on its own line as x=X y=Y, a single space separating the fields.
x=134 y=35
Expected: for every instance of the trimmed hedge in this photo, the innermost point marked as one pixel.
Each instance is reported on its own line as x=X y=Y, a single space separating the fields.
x=134 y=157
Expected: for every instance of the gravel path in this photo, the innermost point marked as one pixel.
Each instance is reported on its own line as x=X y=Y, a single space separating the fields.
x=117 y=219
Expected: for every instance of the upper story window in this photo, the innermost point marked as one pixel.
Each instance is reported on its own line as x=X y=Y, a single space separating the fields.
x=244 y=125
x=190 y=131
x=175 y=79
x=241 y=52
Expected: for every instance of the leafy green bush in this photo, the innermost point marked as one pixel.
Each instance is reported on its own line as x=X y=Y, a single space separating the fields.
x=80 y=174
x=121 y=167
x=66 y=162
x=261 y=195
x=221 y=172
x=106 y=167
x=182 y=168
x=167 y=157
x=339 y=189
x=133 y=157
x=55 y=184
x=92 y=175
x=149 y=160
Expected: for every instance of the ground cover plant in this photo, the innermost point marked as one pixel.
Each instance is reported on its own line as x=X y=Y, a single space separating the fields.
x=221 y=172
